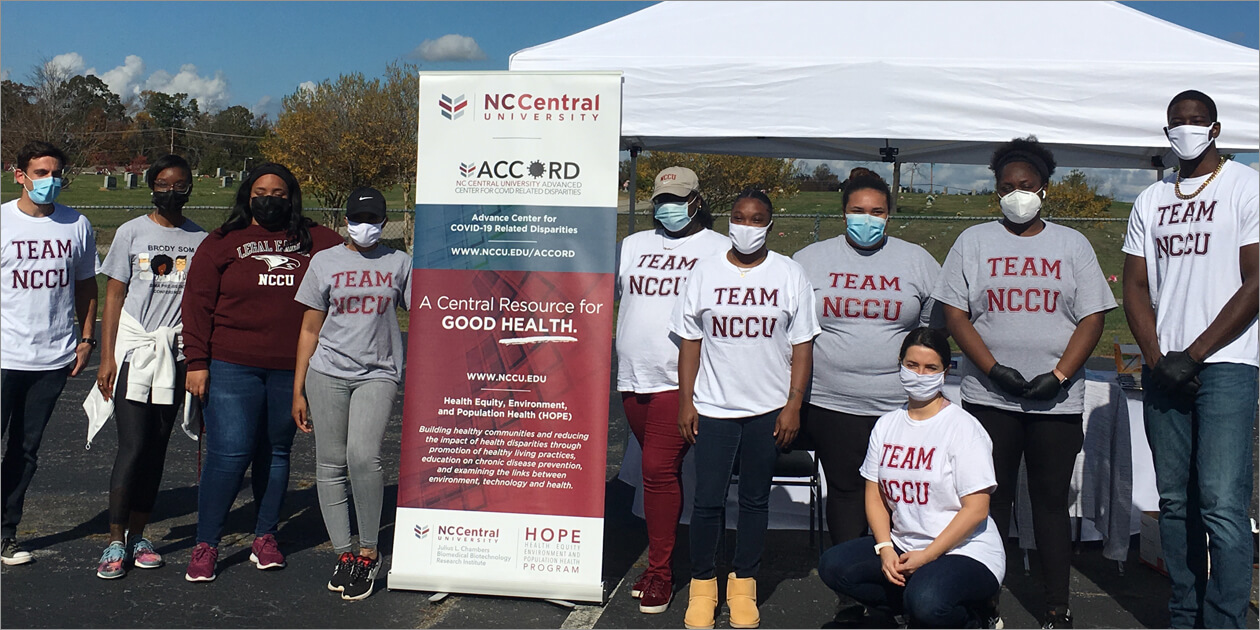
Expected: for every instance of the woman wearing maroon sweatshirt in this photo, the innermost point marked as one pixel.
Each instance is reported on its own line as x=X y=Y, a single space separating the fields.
x=241 y=328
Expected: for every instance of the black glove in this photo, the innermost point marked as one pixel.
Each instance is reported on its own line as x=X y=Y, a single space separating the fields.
x=1044 y=387
x=1177 y=372
x=1008 y=379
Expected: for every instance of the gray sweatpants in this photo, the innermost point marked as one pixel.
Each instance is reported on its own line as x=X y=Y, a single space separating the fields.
x=349 y=418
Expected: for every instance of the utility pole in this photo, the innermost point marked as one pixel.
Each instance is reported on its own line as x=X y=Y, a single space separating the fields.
x=172 y=140
x=931 y=178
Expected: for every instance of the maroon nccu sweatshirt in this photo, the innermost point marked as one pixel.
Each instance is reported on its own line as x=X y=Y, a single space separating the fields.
x=238 y=301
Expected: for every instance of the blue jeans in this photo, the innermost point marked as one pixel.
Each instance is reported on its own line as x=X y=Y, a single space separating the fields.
x=27 y=400
x=717 y=444
x=1202 y=448
x=248 y=425
x=944 y=593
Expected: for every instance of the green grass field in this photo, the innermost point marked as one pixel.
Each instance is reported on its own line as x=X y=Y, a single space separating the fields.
x=791 y=233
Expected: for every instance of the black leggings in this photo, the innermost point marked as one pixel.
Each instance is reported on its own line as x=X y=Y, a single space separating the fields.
x=840 y=439
x=1049 y=444
x=144 y=429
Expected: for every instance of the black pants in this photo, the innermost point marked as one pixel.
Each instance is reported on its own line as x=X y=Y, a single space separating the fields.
x=27 y=400
x=840 y=440
x=144 y=429
x=1049 y=444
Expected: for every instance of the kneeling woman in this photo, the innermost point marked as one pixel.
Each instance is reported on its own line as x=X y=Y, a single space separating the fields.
x=929 y=471
x=747 y=326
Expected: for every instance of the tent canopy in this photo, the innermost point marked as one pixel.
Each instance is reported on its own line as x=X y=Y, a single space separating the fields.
x=938 y=81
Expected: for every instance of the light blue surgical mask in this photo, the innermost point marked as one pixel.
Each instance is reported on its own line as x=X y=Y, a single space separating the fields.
x=865 y=230
x=673 y=216
x=44 y=191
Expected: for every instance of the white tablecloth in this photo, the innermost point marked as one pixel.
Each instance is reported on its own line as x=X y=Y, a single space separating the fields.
x=1113 y=476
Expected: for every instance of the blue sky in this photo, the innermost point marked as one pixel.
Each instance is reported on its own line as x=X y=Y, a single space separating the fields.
x=255 y=53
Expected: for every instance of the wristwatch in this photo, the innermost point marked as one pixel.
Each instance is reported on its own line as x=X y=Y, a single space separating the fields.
x=88 y=340
x=1066 y=382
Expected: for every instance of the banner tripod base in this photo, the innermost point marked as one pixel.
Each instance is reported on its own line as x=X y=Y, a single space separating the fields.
x=438 y=597
x=561 y=603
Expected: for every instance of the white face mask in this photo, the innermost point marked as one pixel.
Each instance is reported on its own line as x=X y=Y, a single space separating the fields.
x=364 y=234
x=1190 y=141
x=747 y=239
x=922 y=387
x=1020 y=206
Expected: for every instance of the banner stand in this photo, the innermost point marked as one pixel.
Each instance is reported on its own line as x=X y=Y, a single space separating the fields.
x=505 y=422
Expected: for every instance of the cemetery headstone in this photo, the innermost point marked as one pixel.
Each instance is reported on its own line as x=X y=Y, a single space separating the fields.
x=225 y=181
x=130 y=180
x=218 y=172
x=111 y=183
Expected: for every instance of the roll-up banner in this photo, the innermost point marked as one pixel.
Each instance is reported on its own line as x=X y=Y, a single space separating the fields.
x=505 y=429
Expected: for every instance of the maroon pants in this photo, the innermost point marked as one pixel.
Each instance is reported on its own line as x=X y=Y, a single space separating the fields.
x=653 y=419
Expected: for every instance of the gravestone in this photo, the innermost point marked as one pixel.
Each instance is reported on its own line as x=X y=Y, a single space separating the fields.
x=144 y=176
x=225 y=181
x=129 y=180
x=241 y=176
x=218 y=172
x=111 y=183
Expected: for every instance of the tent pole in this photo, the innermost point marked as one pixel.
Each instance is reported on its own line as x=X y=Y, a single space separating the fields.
x=896 y=186
x=634 y=177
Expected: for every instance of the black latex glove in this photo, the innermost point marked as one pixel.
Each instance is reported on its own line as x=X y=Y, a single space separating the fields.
x=1008 y=379
x=1177 y=372
x=1044 y=387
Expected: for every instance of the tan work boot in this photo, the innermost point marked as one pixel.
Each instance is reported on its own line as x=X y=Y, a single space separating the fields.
x=741 y=599
x=702 y=604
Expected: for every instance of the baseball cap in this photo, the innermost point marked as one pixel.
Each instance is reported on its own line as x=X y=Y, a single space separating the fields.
x=366 y=200
x=676 y=180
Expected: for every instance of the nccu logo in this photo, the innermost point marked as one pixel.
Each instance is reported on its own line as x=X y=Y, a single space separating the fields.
x=518 y=169
x=453 y=108
x=421 y=531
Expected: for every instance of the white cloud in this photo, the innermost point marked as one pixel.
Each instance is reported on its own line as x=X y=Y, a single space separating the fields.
x=211 y=92
x=123 y=80
x=267 y=106
x=4 y=74
x=307 y=86
x=449 y=48
x=71 y=63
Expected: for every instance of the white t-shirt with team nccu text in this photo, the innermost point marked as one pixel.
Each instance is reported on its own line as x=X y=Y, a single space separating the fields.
x=42 y=259
x=924 y=468
x=652 y=271
x=747 y=321
x=1191 y=251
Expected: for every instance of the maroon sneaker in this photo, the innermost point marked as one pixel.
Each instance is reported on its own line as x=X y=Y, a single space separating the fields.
x=636 y=591
x=201 y=566
x=265 y=554
x=656 y=596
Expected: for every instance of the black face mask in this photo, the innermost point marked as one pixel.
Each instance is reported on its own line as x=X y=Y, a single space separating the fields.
x=170 y=201
x=270 y=212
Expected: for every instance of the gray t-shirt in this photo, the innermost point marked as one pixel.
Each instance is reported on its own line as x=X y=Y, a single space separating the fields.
x=153 y=262
x=866 y=302
x=359 y=291
x=1025 y=295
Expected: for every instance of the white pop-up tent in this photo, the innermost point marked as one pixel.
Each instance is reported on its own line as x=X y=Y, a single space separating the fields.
x=936 y=81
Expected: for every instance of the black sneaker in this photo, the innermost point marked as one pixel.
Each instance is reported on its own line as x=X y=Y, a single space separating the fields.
x=989 y=615
x=362 y=578
x=1058 y=617
x=11 y=553
x=341 y=573
x=851 y=614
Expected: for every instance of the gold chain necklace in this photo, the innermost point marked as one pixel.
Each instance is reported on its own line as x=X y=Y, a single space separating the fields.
x=1177 y=183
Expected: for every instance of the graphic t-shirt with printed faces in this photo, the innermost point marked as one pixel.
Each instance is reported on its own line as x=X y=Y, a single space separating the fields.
x=1191 y=251
x=866 y=301
x=152 y=261
x=924 y=468
x=747 y=321
x=652 y=271
x=1026 y=294
x=41 y=261
x=359 y=292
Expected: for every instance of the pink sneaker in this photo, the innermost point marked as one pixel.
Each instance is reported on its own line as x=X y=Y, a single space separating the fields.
x=201 y=566
x=265 y=554
x=144 y=556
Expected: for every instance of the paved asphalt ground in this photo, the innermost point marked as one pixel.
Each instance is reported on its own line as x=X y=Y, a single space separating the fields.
x=66 y=522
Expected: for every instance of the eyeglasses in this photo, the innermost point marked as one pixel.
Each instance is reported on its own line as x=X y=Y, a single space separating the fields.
x=164 y=187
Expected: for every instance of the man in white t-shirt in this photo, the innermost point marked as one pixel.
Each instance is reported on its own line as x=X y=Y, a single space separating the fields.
x=48 y=268
x=1190 y=295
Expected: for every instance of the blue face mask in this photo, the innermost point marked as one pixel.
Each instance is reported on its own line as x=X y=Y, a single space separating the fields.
x=865 y=230
x=44 y=191
x=673 y=216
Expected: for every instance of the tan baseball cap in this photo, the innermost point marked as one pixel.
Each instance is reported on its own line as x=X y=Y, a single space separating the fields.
x=676 y=180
